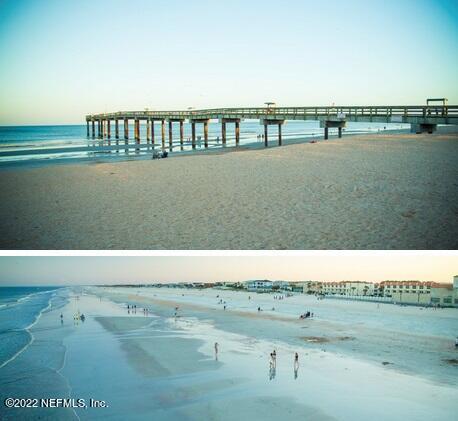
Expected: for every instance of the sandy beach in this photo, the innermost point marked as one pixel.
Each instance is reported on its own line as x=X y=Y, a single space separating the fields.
x=363 y=192
x=157 y=366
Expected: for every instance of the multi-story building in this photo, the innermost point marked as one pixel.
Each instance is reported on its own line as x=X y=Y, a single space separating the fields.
x=333 y=288
x=407 y=292
x=445 y=295
x=348 y=288
x=426 y=293
x=259 y=285
x=359 y=288
x=311 y=287
x=282 y=285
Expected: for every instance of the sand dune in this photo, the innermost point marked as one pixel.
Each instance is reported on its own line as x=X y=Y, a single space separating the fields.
x=362 y=192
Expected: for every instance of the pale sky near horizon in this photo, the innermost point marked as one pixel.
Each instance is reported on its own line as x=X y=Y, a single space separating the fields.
x=60 y=60
x=112 y=270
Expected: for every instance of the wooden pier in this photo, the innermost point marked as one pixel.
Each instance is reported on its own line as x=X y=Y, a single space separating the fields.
x=422 y=118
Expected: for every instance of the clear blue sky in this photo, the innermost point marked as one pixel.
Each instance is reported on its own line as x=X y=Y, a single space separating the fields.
x=99 y=270
x=62 y=59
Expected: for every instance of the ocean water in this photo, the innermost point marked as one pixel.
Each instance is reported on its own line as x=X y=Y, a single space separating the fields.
x=27 y=145
x=20 y=308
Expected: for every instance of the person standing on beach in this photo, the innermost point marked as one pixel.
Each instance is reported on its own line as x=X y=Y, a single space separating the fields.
x=216 y=351
x=274 y=357
x=296 y=365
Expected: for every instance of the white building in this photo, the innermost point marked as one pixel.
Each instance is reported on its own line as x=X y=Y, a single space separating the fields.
x=282 y=285
x=407 y=291
x=445 y=295
x=348 y=288
x=259 y=285
x=422 y=293
x=307 y=287
x=359 y=288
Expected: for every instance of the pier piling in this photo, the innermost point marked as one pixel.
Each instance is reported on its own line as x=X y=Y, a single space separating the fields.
x=237 y=133
x=170 y=136
x=206 y=134
x=193 y=130
x=269 y=122
x=223 y=132
x=181 y=134
x=137 y=130
x=163 y=133
x=117 y=129
x=336 y=123
x=126 y=129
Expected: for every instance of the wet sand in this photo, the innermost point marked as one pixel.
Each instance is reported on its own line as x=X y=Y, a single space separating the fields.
x=327 y=374
x=411 y=340
x=364 y=192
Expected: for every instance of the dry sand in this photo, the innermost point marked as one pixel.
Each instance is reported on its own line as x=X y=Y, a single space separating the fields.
x=363 y=192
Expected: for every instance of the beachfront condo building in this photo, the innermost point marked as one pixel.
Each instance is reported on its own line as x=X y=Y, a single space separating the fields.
x=348 y=288
x=445 y=295
x=422 y=293
x=259 y=285
x=399 y=289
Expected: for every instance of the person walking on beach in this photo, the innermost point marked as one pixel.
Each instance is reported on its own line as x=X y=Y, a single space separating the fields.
x=274 y=358
x=216 y=351
x=296 y=365
x=272 y=367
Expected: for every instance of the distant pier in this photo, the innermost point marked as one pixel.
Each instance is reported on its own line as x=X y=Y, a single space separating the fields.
x=421 y=118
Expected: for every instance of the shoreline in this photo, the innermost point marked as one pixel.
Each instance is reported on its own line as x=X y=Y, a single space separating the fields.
x=146 y=150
